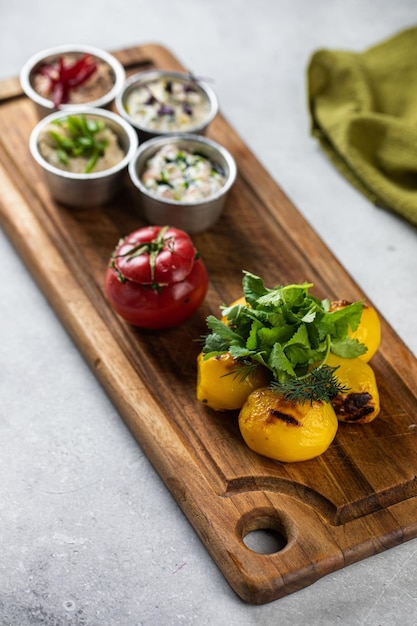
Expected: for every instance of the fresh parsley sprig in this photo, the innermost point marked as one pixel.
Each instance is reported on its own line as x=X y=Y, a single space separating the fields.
x=289 y=331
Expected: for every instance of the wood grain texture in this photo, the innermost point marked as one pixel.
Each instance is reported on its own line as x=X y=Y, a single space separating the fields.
x=357 y=499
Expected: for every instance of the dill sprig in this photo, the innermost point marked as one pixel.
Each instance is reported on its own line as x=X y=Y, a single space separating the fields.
x=242 y=370
x=321 y=384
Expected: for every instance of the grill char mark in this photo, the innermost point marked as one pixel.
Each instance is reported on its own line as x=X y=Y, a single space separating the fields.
x=353 y=406
x=284 y=417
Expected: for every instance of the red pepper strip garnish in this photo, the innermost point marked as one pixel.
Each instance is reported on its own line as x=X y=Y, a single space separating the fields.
x=80 y=71
x=60 y=94
x=64 y=78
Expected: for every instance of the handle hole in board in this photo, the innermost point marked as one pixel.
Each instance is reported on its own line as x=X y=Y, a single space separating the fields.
x=266 y=531
x=265 y=541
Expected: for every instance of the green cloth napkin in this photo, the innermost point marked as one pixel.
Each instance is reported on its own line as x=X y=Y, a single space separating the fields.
x=363 y=109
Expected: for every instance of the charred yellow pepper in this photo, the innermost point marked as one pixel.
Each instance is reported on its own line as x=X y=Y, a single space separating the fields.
x=360 y=403
x=284 y=430
x=292 y=402
x=223 y=384
x=369 y=330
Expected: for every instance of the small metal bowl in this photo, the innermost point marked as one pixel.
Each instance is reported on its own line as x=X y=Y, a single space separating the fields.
x=95 y=188
x=145 y=131
x=192 y=217
x=44 y=105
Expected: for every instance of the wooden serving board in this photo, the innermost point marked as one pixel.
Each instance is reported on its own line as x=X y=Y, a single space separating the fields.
x=357 y=499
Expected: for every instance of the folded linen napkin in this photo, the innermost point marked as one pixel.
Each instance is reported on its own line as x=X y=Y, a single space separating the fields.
x=363 y=110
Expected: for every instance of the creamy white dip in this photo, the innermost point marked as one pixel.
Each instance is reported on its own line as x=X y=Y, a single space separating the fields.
x=168 y=105
x=180 y=175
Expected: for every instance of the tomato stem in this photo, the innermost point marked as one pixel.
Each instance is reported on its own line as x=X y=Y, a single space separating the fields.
x=153 y=248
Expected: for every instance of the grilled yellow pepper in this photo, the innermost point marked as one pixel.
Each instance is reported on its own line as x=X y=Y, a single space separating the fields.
x=223 y=384
x=360 y=403
x=271 y=421
x=369 y=330
x=284 y=430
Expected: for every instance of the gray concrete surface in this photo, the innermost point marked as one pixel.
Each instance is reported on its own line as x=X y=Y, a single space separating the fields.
x=89 y=534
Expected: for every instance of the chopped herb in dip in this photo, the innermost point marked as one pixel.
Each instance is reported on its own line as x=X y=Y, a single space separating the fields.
x=180 y=175
x=168 y=104
x=80 y=144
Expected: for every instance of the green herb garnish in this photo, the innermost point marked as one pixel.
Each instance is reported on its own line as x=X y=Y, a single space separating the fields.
x=290 y=332
x=153 y=248
x=320 y=384
x=80 y=140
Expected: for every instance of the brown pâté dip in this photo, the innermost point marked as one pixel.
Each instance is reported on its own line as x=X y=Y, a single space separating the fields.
x=80 y=144
x=82 y=78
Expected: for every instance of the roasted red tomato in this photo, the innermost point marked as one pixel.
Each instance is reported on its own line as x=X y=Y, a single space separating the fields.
x=156 y=278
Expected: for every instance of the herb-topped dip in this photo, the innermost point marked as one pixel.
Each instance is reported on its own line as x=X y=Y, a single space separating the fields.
x=80 y=144
x=180 y=175
x=168 y=104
